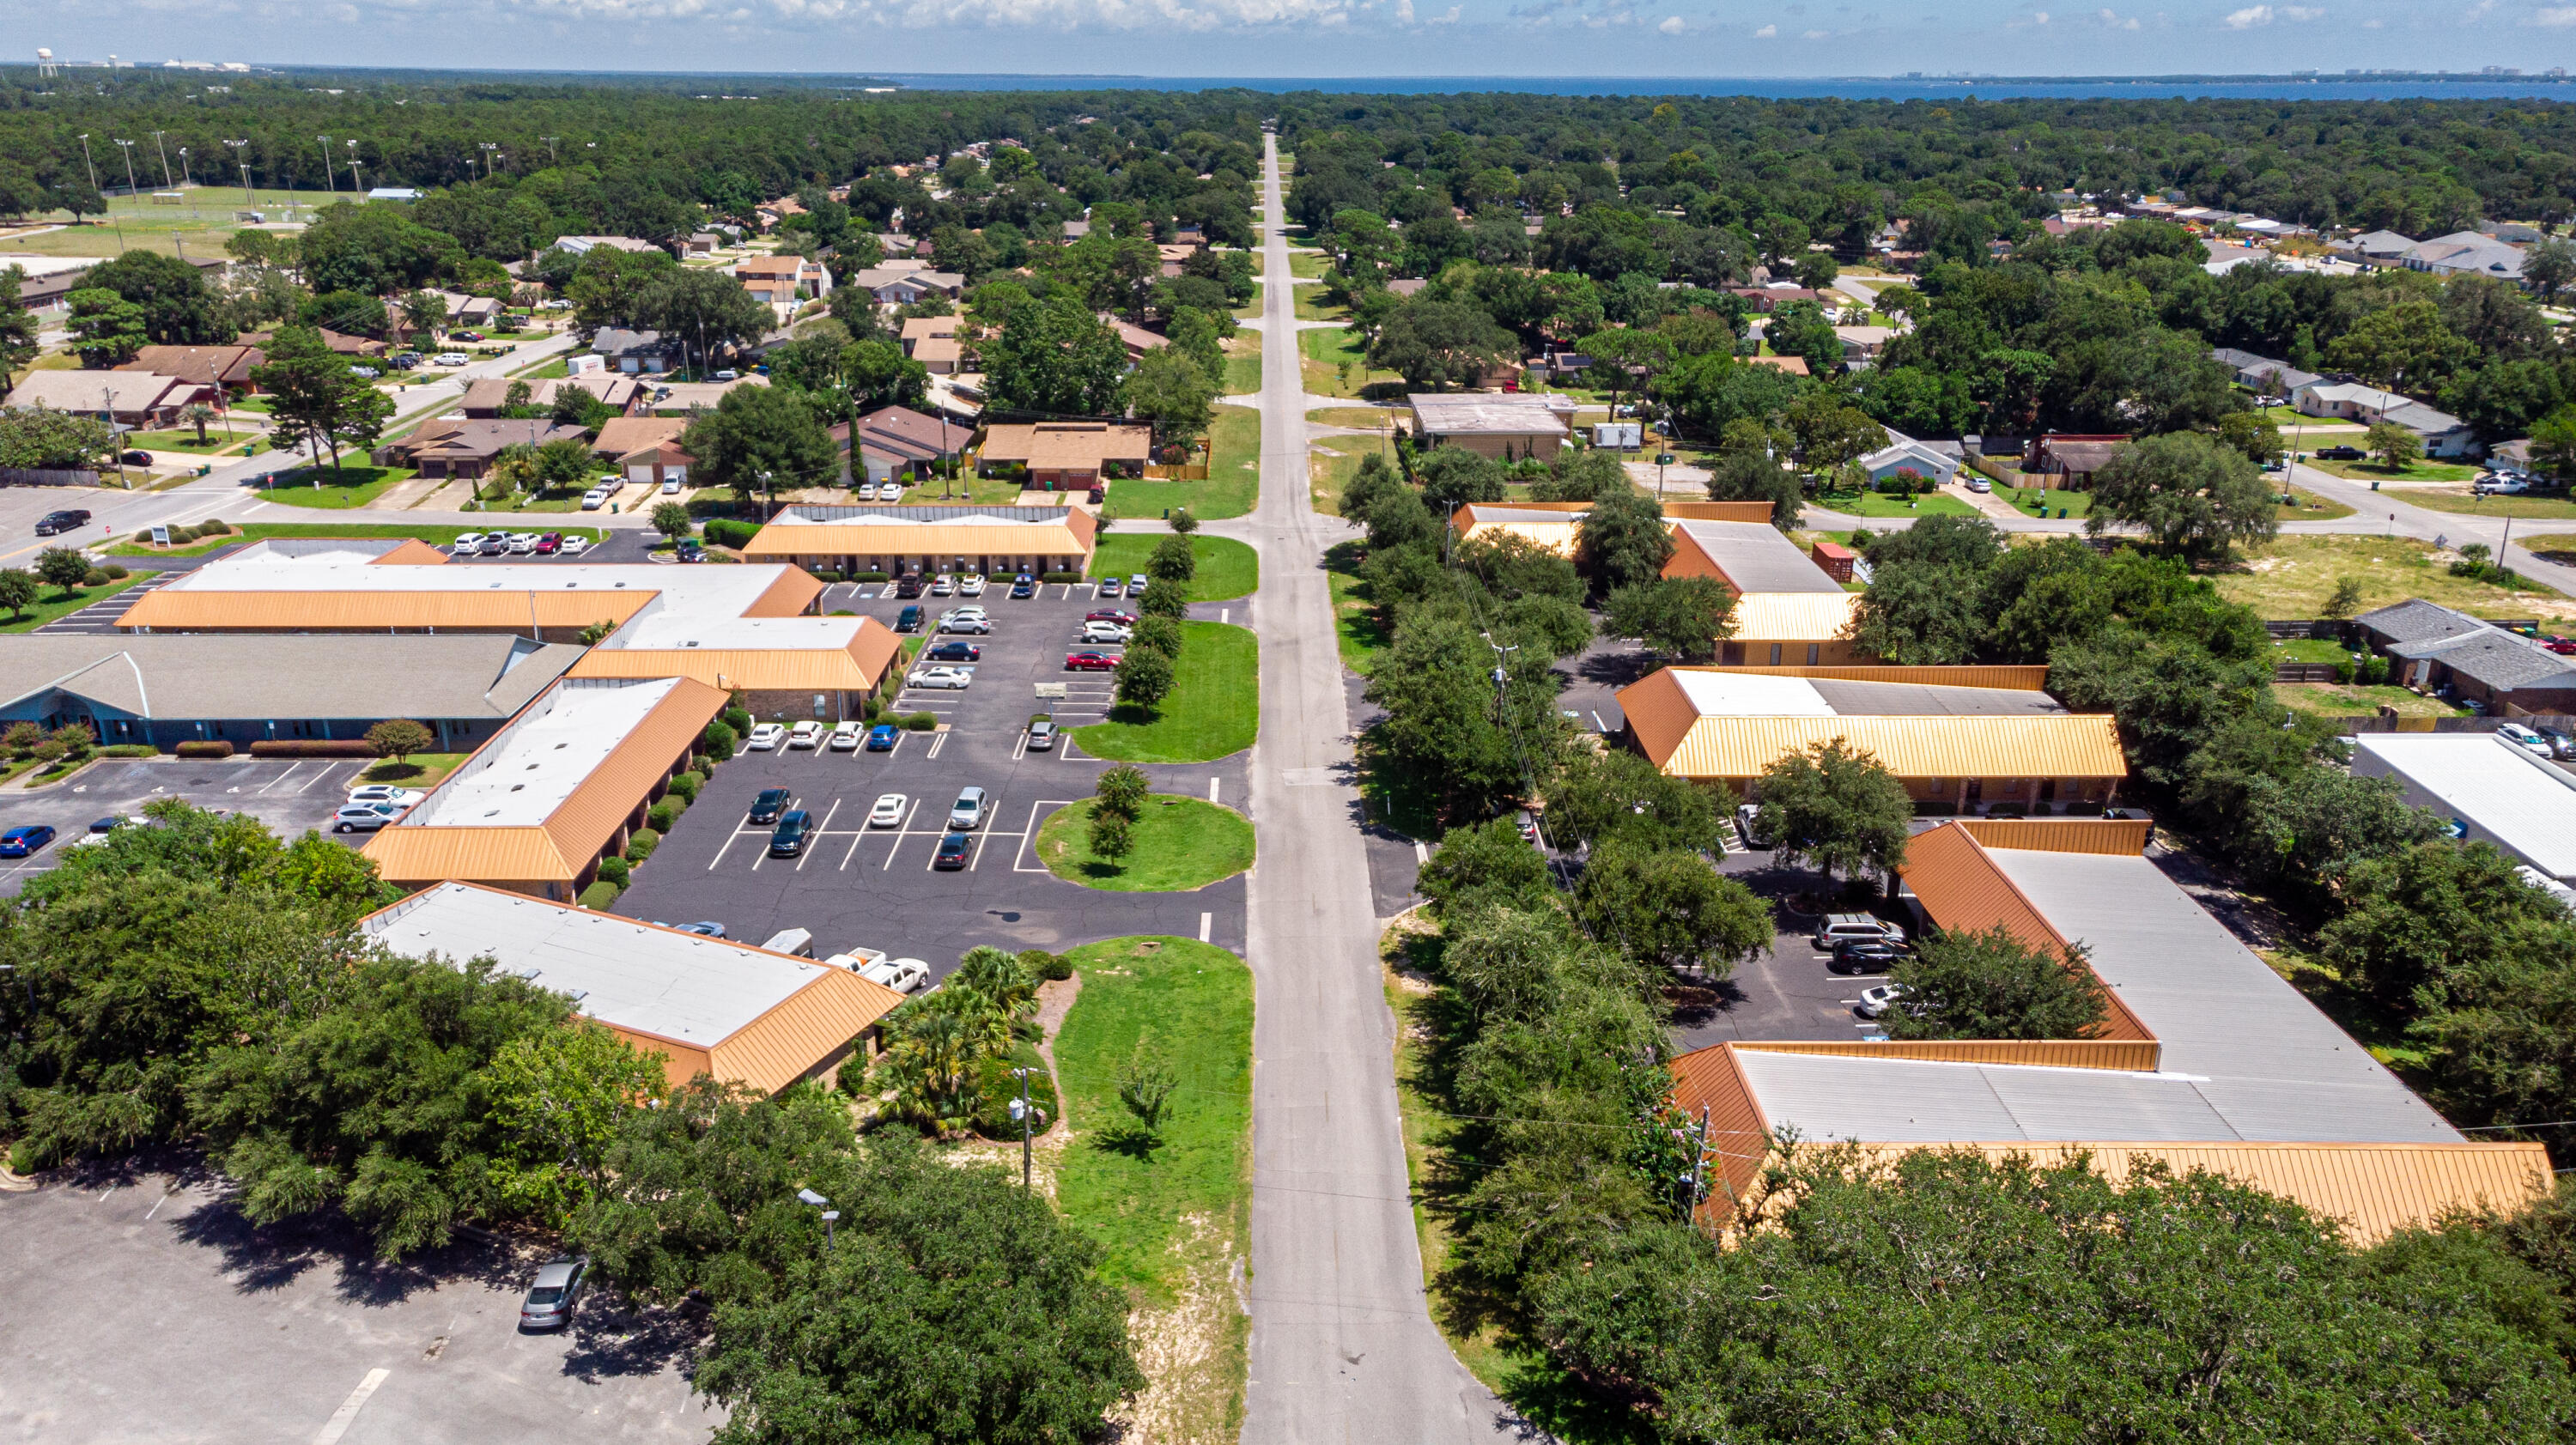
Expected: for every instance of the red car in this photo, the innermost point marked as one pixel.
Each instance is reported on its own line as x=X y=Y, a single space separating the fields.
x=466 y=335
x=2564 y=647
x=550 y=543
x=1090 y=662
x=1111 y=614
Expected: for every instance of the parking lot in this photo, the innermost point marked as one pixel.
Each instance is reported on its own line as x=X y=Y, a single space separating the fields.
x=143 y=1308
x=288 y=794
x=858 y=886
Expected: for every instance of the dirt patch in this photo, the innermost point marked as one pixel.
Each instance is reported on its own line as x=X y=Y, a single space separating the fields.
x=1192 y=1351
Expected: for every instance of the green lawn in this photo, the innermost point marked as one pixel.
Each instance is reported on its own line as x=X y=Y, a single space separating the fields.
x=976 y=491
x=254 y=531
x=2545 y=508
x=2034 y=502
x=1326 y=355
x=184 y=439
x=1234 y=476
x=1214 y=709
x=1243 y=374
x=1356 y=629
x=1182 y=844
x=51 y=604
x=1331 y=462
x=2371 y=471
x=1170 y=1215
x=551 y=368
x=326 y=488
x=1878 y=504
x=2310 y=650
x=258 y=404
x=2293 y=577
x=1227 y=569
x=2335 y=699
x=418 y=771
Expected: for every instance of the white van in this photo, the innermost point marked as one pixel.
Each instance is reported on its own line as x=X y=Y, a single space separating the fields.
x=791 y=940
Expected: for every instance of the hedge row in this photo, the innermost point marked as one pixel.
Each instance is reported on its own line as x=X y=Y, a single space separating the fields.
x=311 y=748
x=205 y=750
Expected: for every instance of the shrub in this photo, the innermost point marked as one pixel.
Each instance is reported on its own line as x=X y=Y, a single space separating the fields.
x=718 y=741
x=22 y=738
x=641 y=846
x=2373 y=671
x=96 y=577
x=130 y=750
x=1042 y=964
x=213 y=528
x=1163 y=634
x=869 y=708
x=1067 y=577
x=921 y=722
x=685 y=786
x=116 y=570
x=182 y=535
x=598 y=896
x=2344 y=670
x=313 y=748
x=726 y=532
x=868 y=577
x=737 y=718
x=24 y=1158
x=614 y=870
x=662 y=815
x=217 y=749
x=995 y=1088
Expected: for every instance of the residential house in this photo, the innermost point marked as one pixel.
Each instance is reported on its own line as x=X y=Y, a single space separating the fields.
x=486 y=396
x=1767 y=299
x=893 y=287
x=783 y=280
x=2467 y=253
x=2261 y=374
x=584 y=245
x=645 y=450
x=1407 y=286
x=1508 y=427
x=1136 y=339
x=1175 y=259
x=1067 y=455
x=459 y=447
x=1920 y=458
x=465 y=311
x=2344 y=399
x=918 y=329
x=893 y=441
x=634 y=352
x=1794 y=365
x=680 y=398
x=1862 y=344
x=2442 y=650
x=704 y=243
x=2069 y=459
x=139 y=399
x=226 y=369
x=2385 y=247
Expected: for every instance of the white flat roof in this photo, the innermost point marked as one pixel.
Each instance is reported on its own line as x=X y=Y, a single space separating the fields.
x=2528 y=806
x=730 y=590
x=1752 y=694
x=663 y=625
x=950 y=517
x=2271 y=1065
x=1910 y=1101
x=529 y=768
x=618 y=971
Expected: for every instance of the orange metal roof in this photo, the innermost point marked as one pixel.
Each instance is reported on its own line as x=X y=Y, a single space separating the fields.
x=574 y=835
x=809 y=1026
x=855 y=668
x=2130 y=1055
x=2008 y=676
x=1792 y=616
x=2057 y=745
x=180 y=609
x=1963 y=891
x=2118 y=836
x=789 y=596
x=413 y=552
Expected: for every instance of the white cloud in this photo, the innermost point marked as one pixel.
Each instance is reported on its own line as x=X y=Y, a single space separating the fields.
x=2116 y=21
x=1184 y=15
x=1672 y=25
x=2558 y=17
x=1767 y=32
x=2249 y=17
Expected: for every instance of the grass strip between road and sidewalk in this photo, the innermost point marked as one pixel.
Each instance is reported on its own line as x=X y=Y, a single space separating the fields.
x=1227 y=569
x=1171 y=1215
x=1214 y=708
x=1181 y=844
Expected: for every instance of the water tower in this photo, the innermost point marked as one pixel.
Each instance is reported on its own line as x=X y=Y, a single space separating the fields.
x=45 y=62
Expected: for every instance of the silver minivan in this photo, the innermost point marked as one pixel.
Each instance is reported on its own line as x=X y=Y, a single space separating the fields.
x=1839 y=926
x=969 y=812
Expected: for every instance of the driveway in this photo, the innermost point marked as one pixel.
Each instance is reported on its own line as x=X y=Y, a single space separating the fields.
x=144 y=1308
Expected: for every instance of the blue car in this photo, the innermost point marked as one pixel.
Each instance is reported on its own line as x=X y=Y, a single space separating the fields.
x=25 y=839
x=881 y=738
x=1024 y=585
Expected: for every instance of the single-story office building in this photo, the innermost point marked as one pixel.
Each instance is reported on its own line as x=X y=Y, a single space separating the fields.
x=170 y=689
x=1067 y=455
x=2488 y=789
x=563 y=786
x=1510 y=427
x=996 y=541
x=1788 y=609
x=786 y=668
x=706 y=1006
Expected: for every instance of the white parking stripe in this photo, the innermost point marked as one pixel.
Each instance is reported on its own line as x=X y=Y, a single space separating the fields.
x=808 y=850
x=1212 y=786
x=1207 y=924
x=282 y=777
x=347 y=1415
x=902 y=833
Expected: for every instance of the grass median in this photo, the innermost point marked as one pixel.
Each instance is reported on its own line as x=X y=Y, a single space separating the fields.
x=1170 y=1213
x=332 y=487
x=1227 y=569
x=1181 y=844
x=1214 y=708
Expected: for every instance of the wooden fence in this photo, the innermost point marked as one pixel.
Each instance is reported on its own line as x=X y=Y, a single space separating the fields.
x=48 y=477
x=2303 y=672
x=1192 y=472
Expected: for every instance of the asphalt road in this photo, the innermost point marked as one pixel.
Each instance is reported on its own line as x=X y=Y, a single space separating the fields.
x=1343 y=1349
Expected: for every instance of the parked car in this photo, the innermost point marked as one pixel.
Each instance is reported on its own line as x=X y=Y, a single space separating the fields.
x=903 y=975
x=953 y=652
x=104 y=829
x=523 y=544
x=1110 y=614
x=670 y=486
x=953 y=848
x=1136 y=584
x=494 y=544
x=1875 y=1002
x=365 y=373
x=1089 y=662
x=950 y=679
x=908 y=585
x=69 y=519
x=549 y=544
x=2560 y=744
x=882 y=737
x=2503 y=486
x=943 y=585
x=386 y=793
x=1042 y=735
x=353 y=818
x=2525 y=739
x=551 y=1297
x=806 y=734
x=466 y=543
x=465 y=335
x=135 y=458
x=1108 y=587
x=888 y=810
x=971 y=585
x=451 y=358
x=575 y=546
x=765 y=737
x=2334 y=454
x=1838 y=926
x=1104 y=632
x=845 y=735
x=974 y=624
x=594 y=499
x=1865 y=955
x=864 y=492
x=770 y=803
x=1747 y=822
x=788 y=838
x=1024 y=585
x=969 y=809
x=1096 y=495
x=703 y=930
x=727 y=373
x=908 y=620
x=403 y=360
x=690 y=549
x=1527 y=824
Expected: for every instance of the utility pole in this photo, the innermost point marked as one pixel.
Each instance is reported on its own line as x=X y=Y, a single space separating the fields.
x=165 y=158
x=86 y=161
x=131 y=184
x=356 y=186
x=551 y=157
x=328 y=183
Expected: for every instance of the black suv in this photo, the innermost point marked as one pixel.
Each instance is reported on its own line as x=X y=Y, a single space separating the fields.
x=1865 y=955
x=770 y=803
x=789 y=838
x=908 y=585
x=70 y=520
x=908 y=620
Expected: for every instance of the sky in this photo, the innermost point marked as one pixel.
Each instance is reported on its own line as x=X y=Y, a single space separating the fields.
x=1322 y=38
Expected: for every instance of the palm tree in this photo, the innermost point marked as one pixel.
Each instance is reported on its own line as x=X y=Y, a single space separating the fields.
x=997 y=981
x=933 y=1044
x=197 y=414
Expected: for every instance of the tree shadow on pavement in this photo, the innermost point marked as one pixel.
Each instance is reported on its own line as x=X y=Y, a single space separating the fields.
x=259 y=1258
x=613 y=1339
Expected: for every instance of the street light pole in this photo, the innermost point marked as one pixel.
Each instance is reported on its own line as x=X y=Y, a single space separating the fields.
x=1026 y=1112
x=328 y=183
x=165 y=157
x=831 y=1216
x=131 y=184
x=551 y=157
x=249 y=200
